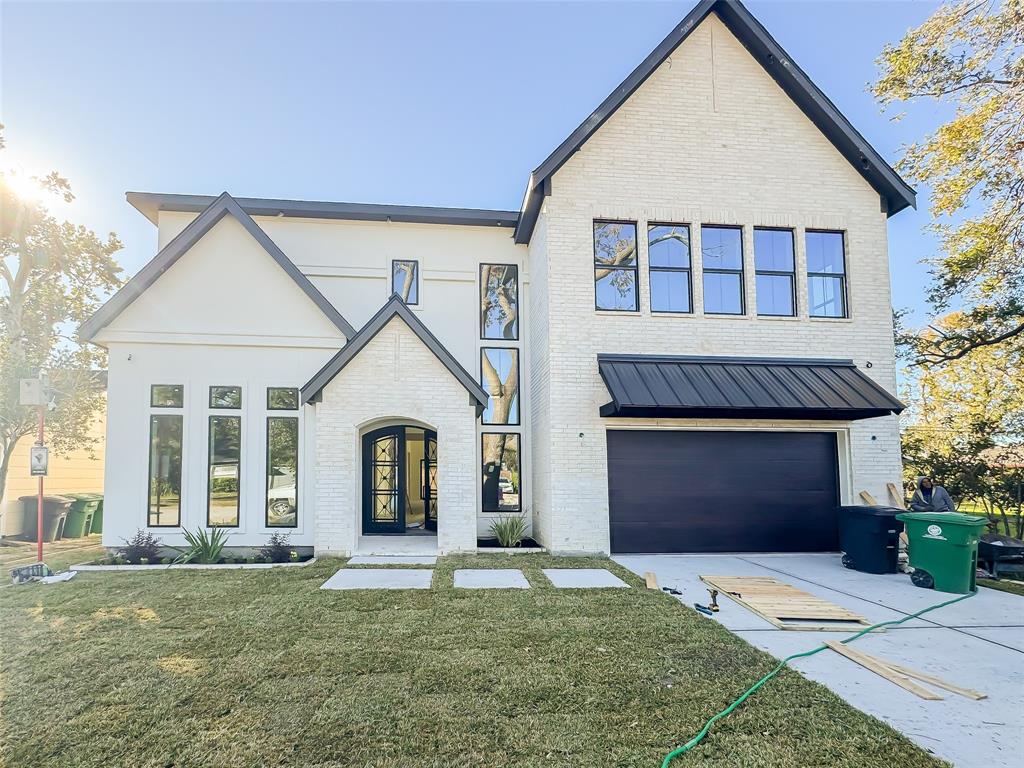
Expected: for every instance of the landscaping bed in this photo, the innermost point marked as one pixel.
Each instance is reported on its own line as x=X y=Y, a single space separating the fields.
x=525 y=545
x=192 y=668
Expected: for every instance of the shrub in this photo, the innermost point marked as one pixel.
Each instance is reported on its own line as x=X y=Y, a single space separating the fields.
x=278 y=548
x=509 y=531
x=142 y=546
x=204 y=546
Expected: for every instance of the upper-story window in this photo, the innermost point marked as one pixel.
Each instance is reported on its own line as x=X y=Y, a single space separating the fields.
x=721 y=251
x=405 y=280
x=668 y=256
x=499 y=376
x=226 y=397
x=167 y=395
x=826 y=274
x=499 y=301
x=774 y=267
x=615 y=266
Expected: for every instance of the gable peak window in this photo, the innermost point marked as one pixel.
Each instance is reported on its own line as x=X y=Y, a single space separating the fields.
x=774 y=272
x=721 y=252
x=826 y=274
x=405 y=280
x=668 y=259
x=615 y=266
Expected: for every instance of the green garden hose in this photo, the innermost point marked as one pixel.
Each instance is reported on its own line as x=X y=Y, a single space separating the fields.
x=750 y=691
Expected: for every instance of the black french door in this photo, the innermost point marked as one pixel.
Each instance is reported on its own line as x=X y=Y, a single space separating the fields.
x=428 y=480
x=386 y=484
x=384 y=481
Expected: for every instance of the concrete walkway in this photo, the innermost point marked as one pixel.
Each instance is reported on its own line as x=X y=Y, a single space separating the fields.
x=978 y=643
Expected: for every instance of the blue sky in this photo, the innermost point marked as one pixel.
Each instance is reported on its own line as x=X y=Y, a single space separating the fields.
x=414 y=103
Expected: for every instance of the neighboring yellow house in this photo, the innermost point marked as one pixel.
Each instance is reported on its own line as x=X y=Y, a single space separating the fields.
x=80 y=471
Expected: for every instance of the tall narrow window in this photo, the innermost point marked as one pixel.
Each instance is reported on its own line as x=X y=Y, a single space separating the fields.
x=222 y=500
x=282 y=472
x=615 y=270
x=164 y=494
x=499 y=375
x=499 y=301
x=721 y=252
x=773 y=263
x=668 y=256
x=826 y=274
x=405 y=280
x=500 y=453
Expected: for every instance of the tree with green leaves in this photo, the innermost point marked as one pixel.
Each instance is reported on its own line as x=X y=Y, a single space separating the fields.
x=53 y=276
x=965 y=427
x=967 y=56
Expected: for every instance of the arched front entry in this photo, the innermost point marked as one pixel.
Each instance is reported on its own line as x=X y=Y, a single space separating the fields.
x=400 y=481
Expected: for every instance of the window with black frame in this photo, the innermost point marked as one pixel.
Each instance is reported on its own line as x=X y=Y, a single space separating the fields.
x=615 y=266
x=826 y=274
x=499 y=376
x=668 y=261
x=500 y=482
x=164 y=486
x=405 y=280
x=775 y=270
x=282 y=472
x=721 y=253
x=224 y=476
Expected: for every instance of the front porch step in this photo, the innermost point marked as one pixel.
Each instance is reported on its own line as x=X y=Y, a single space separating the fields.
x=408 y=545
x=393 y=560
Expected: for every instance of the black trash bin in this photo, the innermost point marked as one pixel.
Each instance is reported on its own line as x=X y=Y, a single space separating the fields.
x=870 y=538
x=55 y=512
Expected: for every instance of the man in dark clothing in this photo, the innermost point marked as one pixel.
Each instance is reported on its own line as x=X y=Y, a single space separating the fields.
x=931 y=498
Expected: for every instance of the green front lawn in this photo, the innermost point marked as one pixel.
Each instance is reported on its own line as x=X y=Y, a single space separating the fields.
x=262 y=668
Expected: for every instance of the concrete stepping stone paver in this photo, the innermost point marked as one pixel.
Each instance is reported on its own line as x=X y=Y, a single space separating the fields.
x=583 y=578
x=490 y=578
x=380 y=578
x=393 y=560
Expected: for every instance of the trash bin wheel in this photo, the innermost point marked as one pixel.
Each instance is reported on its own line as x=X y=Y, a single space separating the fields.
x=922 y=579
x=847 y=561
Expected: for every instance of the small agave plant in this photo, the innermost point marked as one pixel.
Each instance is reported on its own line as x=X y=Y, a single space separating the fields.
x=509 y=531
x=203 y=546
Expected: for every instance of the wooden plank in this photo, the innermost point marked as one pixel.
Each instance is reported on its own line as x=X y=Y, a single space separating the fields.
x=784 y=606
x=938 y=682
x=881 y=668
x=896 y=495
x=869 y=499
x=651 y=580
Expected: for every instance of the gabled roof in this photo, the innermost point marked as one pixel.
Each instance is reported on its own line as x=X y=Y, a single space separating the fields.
x=896 y=193
x=149 y=204
x=658 y=386
x=394 y=306
x=221 y=206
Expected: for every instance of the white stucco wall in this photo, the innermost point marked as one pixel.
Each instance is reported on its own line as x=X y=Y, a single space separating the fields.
x=395 y=379
x=709 y=138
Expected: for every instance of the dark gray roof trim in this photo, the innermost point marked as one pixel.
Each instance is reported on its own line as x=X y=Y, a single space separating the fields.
x=215 y=210
x=895 y=192
x=394 y=306
x=648 y=386
x=149 y=204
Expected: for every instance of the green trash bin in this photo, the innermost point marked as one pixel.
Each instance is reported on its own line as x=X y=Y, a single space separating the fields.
x=79 y=522
x=943 y=548
x=97 y=516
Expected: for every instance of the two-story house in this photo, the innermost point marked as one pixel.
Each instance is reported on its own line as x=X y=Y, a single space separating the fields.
x=682 y=341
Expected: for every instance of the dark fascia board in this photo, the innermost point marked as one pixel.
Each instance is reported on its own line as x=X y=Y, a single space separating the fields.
x=394 y=306
x=895 y=192
x=149 y=204
x=215 y=210
x=611 y=410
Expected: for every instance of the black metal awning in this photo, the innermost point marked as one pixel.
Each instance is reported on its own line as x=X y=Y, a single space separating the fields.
x=649 y=386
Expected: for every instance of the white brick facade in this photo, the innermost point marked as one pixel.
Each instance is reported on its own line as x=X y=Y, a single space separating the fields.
x=709 y=138
x=395 y=379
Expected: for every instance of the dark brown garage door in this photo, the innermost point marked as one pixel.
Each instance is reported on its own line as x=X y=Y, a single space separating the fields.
x=722 y=491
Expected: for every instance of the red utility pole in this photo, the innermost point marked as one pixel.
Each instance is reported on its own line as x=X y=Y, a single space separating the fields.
x=39 y=500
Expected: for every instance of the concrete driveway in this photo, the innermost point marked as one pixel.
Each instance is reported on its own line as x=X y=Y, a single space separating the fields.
x=977 y=644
